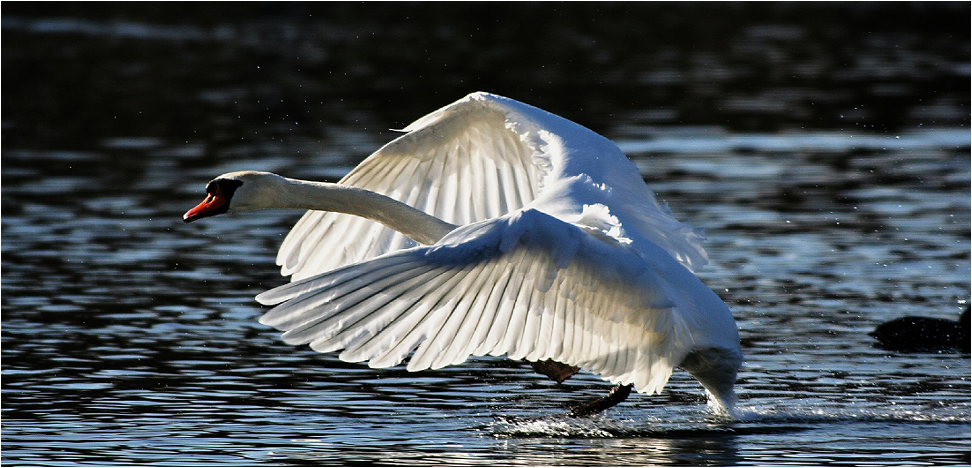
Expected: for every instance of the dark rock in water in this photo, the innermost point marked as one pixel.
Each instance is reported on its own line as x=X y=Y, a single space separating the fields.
x=922 y=334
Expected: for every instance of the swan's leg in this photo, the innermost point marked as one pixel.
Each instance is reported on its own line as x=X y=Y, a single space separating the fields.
x=618 y=394
x=557 y=371
x=560 y=372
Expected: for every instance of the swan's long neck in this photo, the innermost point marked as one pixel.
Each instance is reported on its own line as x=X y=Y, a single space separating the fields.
x=303 y=194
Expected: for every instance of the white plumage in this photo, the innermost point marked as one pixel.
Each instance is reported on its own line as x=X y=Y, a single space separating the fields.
x=553 y=248
x=480 y=158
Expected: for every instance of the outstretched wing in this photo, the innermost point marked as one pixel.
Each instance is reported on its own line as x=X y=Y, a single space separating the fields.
x=502 y=287
x=463 y=163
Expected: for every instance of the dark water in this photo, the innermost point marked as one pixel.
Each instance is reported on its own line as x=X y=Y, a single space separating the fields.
x=825 y=150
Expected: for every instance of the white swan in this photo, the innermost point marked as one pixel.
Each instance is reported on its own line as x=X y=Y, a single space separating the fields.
x=502 y=229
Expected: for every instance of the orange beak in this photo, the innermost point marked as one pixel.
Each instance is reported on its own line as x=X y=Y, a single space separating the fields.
x=214 y=204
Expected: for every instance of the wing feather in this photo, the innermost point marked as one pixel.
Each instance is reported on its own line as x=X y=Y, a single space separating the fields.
x=543 y=325
x=491 y=195
x=559 y=328
x=521 y=309
x=441 y=335
x=390 y=338
x=429 y=353
x=446 y=165
x=483 y=290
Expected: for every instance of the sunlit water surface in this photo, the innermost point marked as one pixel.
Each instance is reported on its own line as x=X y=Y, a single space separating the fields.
x=129 y=337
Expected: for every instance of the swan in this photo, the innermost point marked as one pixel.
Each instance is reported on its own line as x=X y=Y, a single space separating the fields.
x=492 y=227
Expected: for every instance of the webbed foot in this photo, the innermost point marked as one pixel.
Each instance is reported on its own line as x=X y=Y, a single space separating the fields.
x=617 y=394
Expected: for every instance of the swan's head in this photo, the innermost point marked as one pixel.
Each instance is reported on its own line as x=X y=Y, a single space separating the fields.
x=235 y=191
